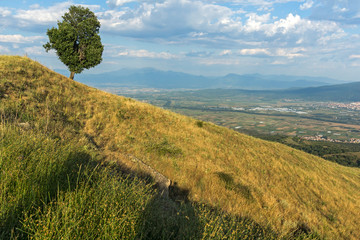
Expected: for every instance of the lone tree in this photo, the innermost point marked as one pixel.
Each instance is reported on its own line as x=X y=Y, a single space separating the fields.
x=76 y=40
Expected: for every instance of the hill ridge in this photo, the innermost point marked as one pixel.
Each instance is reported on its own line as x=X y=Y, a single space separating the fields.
x=269 y=182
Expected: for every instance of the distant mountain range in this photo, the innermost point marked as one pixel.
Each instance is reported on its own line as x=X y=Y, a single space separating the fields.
x=347 y=92
x=338 y=92
x=153 y=78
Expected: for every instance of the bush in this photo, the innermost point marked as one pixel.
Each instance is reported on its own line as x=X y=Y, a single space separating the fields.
x=199 y=123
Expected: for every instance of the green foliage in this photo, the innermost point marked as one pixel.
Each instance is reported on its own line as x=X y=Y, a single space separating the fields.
x=164 y=147
x=346 y=154
x=344 y=159
x=76 y=40
x=199 y=123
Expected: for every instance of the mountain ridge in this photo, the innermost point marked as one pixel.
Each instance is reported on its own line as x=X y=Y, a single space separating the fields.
x=337 y=92
x=153 y=78
x=346 y=92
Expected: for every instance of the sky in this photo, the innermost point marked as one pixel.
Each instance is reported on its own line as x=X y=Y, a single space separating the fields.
x=210 y=38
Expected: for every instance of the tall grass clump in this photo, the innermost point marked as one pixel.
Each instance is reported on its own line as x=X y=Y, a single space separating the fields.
x=100 y=207
x=33 y=168
x=219 y=225
x=52 y=190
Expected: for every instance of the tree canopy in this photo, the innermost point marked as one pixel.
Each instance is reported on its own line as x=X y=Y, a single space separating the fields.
x=76 y=40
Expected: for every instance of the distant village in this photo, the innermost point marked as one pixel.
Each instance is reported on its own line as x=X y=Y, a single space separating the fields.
x=352 y=106
x=270 y=108
x=326 y=139
x=349 y=106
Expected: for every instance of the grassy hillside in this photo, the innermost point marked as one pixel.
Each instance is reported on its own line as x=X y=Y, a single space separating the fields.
x=276 y=186
x=53 y=189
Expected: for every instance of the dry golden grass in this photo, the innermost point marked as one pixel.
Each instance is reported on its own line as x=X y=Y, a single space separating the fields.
x=269 y=182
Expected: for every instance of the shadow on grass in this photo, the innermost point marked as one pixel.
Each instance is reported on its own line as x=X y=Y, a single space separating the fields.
x=32 y=173
x=176 y=217
x=165 y=219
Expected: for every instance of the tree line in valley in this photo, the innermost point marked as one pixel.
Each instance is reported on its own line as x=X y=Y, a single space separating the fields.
x=347 y=154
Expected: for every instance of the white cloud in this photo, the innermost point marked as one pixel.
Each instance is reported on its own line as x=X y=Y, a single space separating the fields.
x=355 y=56
x=277 y=52
x=38 y=15
x=4 y=50
x=119 y=22
x=277 y=62
x=290 y=23
x=5 y=17
x=218 y=61
x=169 y=18
x=197 y=54
x=290 y=53
x=256 y=22
x=43 y=16
x=186 y=22
x=255 y=51
x=338 y=9
x=34 y=6
x=293 y=30
x=17 y=38
x=34 y=50
x=142 y=53
x=307 y=5
x=342 y=11
x=197 y=34
x=263 y=5
x=225 y=52
x=201 y=22
x=4 y=12
x=116 y=3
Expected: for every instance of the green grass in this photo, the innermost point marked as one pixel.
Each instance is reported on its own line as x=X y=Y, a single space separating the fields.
x=56 y=190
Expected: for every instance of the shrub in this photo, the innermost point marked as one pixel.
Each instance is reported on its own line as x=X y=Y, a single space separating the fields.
x=199 y=123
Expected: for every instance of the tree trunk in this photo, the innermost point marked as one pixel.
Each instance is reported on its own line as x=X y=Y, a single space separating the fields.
x=72 y=74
